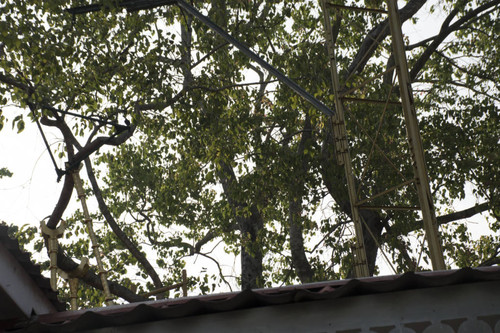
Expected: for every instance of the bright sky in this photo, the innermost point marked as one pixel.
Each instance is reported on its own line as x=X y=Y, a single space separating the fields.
x=31 y=193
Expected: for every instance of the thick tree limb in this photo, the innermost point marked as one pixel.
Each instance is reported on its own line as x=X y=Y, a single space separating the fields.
x=445 y=31
x=103 y=207
x=71 y=141
x=67 y=264
x=491 y=262
x=9 y=80
x=64 y=262
x=463 y=214
x=444 y=219
x=68 y=185
x=423 y=42
x=494 y=259
x=90 y=148
x=377 y=34
x=62 y=203
x=296 y=194
x=207 y=238
x=66 y=132
x=251 y=253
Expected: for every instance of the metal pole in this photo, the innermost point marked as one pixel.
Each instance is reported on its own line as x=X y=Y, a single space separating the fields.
x=278 y=74
x=134 y=5
x=342 y=149
x=415 y=141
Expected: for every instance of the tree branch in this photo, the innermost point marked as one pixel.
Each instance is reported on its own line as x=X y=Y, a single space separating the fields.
x=68 y=185
x=196 y=249
x=444 y=219
x=84 y=152
x=67 y=264
x=61 y=125
x=377 y=34
x=141 y=258
x=62 y=203
x=493 y=259
x=445 y=32
x=463 y=85
x=219 y=268
x=64 y=262
x=296 y=195
x=14 y=83
x=454 y=64
x=215 y=49
x=463 y=214
x=421 y=43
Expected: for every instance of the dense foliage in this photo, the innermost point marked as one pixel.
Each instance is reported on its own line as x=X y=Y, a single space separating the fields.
x=224 y=162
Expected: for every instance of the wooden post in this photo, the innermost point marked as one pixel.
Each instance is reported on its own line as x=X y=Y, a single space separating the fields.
x=95 y=246
x=73 y=279
x=343 y=155
x=184 y=283
x=52 y=235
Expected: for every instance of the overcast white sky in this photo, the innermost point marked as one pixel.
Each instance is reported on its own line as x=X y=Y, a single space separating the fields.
x=31 y=193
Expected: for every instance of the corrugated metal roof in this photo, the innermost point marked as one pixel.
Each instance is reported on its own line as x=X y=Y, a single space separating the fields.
x=128 y=314
x=12 y=245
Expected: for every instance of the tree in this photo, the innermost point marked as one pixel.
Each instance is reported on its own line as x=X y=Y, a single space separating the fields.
x=220 y=154
x=4 y=172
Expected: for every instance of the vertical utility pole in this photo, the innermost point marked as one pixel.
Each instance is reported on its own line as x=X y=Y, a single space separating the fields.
x=342 y=151
x=421 y=179
x=415 y=141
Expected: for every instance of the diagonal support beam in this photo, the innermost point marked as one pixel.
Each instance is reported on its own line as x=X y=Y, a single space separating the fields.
x=138 y=5
x=240 y=46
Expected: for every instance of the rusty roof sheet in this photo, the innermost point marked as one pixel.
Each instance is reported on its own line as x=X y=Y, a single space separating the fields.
x=135 y=313
x=24 y=259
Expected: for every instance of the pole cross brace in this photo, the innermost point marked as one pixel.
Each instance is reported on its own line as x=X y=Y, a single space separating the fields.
x=51 y=235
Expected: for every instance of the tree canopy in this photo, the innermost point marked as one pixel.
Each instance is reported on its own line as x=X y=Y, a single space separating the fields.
x=217 y=161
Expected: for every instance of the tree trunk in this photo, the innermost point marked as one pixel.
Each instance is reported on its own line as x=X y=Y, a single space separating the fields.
x=249 y=227
x=296 y=194
x=251 y=251
x=299 y=259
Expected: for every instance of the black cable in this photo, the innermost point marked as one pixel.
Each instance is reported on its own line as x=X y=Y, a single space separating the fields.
x=129 y=5
x=59 y=171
